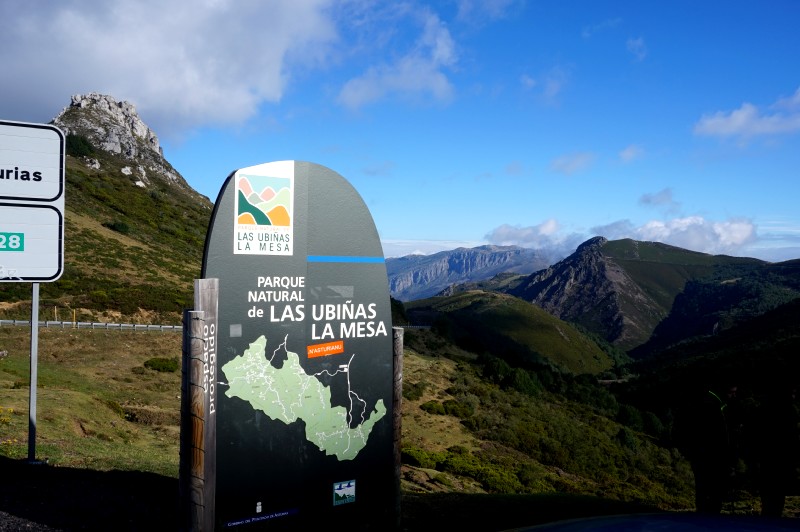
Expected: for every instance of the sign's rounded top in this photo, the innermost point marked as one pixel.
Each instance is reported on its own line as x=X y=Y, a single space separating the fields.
x=293 y=209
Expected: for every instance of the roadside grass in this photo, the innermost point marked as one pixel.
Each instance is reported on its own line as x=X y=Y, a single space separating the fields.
x=98 y=406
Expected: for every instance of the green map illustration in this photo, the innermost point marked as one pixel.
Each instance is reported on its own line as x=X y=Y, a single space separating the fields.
x=290 y=394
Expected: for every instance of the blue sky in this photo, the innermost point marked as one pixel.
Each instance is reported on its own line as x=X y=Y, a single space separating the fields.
x=459 y=122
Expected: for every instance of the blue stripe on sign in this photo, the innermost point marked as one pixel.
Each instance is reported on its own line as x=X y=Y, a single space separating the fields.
x=335 y=258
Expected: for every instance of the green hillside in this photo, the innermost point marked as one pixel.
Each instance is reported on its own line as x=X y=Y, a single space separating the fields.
x=518 y=332
x=662 y=271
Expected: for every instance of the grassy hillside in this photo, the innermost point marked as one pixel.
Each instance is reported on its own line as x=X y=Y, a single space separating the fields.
x=760 y=353
x=461 y=425
x=662 y=271
x=100 y=403
x=486 y=322
x=699 y=294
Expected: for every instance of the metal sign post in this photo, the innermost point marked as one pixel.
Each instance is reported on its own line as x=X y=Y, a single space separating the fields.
x=34 y=373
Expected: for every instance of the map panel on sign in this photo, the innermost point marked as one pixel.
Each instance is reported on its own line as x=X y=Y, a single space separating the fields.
x=289 y=394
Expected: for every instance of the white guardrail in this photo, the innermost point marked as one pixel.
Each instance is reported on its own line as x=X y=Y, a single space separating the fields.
x=121 y=326
x=93 y=325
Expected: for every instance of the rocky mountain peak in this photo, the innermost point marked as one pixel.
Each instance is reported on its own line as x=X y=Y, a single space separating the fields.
x=593 y=290
x=593 y=244
x=116 y=128
x=111 y=125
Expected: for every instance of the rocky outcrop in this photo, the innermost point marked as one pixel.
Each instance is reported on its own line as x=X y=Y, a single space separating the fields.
x=116 y=128
x=419 y=276
x=593 y=290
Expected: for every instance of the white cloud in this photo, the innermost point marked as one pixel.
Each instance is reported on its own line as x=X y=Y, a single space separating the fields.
x=748 y=121
x=631 y=153
x=791 y=103
x=181 y=63
x=575 y=162
x=515 y=168
x=735 y=236
x=548 y=235
x=534 y=236
x=421 y=71
x=554 y=83
x=692 y=232
x=616 y=230
x=528 y=82
x=637 y=47
x=400 y=248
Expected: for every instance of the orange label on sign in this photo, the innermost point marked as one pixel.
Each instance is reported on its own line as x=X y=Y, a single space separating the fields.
x=323 y=350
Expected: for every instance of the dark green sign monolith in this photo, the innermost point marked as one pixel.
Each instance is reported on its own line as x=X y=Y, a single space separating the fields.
x=303 y=398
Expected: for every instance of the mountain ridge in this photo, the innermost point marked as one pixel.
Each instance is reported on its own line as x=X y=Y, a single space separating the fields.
x=419 y=276
x=624 y=290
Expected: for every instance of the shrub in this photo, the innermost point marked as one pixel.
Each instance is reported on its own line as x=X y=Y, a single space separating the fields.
x=433 y=407
x=165 y=365
x=412 y=392
x=418 y=458
x=458 y=409
x=630 y=416
x=78 y=146
x=118 y=226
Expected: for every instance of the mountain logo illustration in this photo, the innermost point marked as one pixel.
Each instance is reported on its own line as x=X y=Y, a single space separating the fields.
x=264 y=200
x=264 y=210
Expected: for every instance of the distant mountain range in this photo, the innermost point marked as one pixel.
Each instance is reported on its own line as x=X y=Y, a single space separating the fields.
x=420 y=276
x=639 y=296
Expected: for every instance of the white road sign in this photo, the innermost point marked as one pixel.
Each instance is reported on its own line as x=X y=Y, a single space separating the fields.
x=31 y=202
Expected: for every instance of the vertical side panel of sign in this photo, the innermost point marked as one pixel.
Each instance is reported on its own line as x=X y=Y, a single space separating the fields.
x=191 y=467
x=206 y=295
x=198 y=409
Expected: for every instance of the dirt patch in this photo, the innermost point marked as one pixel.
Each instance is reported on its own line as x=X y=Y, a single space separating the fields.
x=151 y=415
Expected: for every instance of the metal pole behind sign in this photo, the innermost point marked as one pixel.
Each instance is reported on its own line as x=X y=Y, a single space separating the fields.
x=397 y=422
x=193 y=420
x=34 y=373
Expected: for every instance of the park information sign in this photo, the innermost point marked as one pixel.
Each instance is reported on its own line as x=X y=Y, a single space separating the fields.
x=303 y=398
x=31 y=202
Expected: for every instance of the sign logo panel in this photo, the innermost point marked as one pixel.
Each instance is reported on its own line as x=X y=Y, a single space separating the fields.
x=264 y=210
